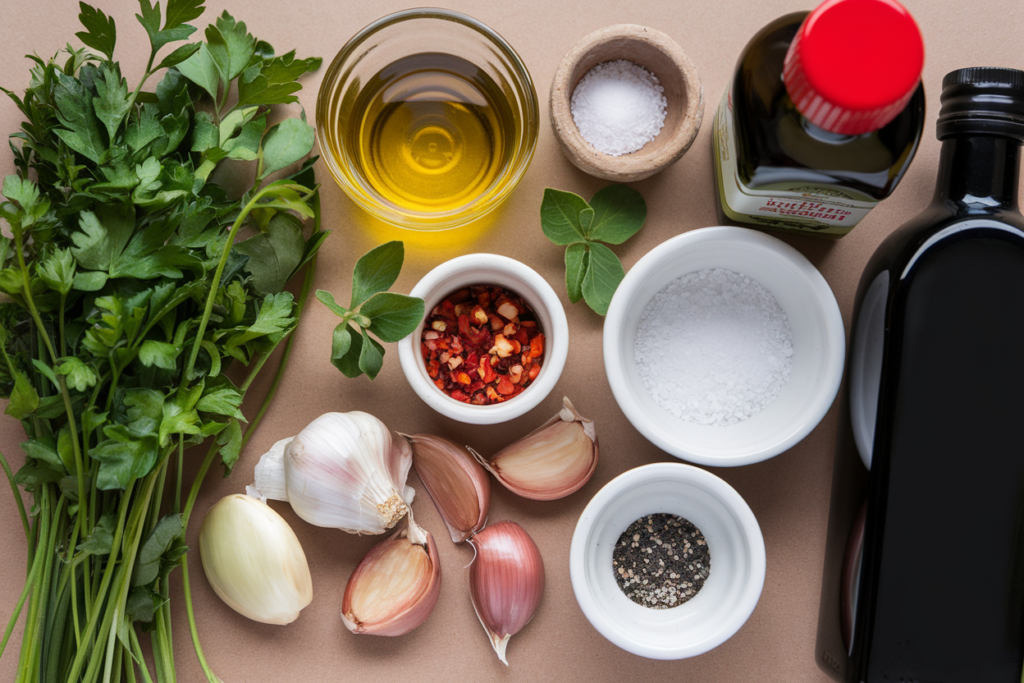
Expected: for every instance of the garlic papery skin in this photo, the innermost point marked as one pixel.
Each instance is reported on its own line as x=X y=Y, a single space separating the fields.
x=506 y=581
x=456 y=482
x=552 y=461
x=395 y=587
x=254 y=561
x=343 y=471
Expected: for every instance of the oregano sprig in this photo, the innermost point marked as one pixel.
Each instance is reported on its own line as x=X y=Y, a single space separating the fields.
x=373 y=309
x=613 y=215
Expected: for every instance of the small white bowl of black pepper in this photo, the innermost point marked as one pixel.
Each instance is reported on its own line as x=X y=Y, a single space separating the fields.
x=667 y=561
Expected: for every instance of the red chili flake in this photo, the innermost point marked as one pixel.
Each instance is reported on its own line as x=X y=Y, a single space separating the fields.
x=505 y=386
x=537 y=346
x=484 y=346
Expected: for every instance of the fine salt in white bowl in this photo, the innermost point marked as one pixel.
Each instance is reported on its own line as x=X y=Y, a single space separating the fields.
x=819 y=345
x=489 y=269
x=734 y=582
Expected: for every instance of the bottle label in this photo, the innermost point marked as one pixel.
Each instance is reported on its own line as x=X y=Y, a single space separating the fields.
x=821 y=209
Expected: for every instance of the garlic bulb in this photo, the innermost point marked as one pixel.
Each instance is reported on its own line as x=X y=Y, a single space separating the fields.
x=552 y=461
x=506 y=581
x=456 y=482
x=253 y=560
x=342 y=471
x=395 y=587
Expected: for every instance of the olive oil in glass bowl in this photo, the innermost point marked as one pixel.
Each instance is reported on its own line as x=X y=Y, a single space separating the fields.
x=427 y=119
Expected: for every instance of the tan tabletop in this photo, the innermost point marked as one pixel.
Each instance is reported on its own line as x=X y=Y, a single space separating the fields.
x=790 y=494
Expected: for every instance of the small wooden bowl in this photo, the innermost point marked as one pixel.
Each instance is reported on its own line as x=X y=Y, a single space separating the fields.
x=660 y=55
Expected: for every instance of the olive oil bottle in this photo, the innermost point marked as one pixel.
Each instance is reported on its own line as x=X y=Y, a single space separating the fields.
x=428 y=132
x=822 y=118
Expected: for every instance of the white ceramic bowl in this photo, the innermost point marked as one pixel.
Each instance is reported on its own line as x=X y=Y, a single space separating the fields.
x=733 y=585
x=489 y=269
x=819 y=345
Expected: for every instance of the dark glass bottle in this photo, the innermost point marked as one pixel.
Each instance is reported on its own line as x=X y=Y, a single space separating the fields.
x=937 y=405
x=779 y=168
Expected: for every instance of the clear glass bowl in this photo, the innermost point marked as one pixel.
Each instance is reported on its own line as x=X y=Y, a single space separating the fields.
x=400 y=35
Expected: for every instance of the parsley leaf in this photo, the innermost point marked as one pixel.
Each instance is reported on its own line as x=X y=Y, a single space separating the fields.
x=81 y=131
x=202 y=70
x=174 y=30
x=286 y=143
x=100 y=32
x=275 y=254
x=111 y=103
x=230 y=46
x=105 y=234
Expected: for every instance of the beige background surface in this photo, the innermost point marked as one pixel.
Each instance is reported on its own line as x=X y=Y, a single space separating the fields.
x=790 y=494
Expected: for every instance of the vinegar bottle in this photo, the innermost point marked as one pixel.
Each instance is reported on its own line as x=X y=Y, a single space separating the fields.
x=937 y=404
x=822 y=118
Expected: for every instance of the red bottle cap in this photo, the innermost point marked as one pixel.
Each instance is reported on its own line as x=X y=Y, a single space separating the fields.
x=854 y=64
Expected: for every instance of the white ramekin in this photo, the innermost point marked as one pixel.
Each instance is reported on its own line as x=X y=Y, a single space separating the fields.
x=733 y=585
x=819 y=345
x=489 y=269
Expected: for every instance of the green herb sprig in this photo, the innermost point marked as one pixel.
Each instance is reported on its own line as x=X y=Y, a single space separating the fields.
x=373 y=309
x=613 y=215
x=134 y=280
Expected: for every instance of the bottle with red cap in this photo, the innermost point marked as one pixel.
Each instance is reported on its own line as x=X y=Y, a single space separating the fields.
x=822 y=118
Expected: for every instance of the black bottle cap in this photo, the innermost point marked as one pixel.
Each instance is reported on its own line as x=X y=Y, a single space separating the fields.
x=985 y=100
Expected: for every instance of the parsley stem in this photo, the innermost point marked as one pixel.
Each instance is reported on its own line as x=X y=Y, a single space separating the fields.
x=74 y=603
x=75 y=448
x=215 y=286
x=163 y=623
x=119 y=591
x=90 y=628
x=32 y=589
x=193 y=629
x=33 y=311
x=145 y=77
x=63 y=300
x=307 y=286
x=200 y=475
x=178 y=472
x=129 y=668
x=138 y=656
x=29 y=584
x=17 y=499
x=260 y=362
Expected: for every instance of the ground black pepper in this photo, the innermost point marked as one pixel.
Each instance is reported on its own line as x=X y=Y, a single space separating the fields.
x=661 y=561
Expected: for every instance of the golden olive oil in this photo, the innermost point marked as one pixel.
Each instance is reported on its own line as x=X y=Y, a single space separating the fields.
x=430 y=133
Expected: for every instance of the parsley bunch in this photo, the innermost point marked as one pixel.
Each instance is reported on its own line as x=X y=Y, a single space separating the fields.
x=132 y=281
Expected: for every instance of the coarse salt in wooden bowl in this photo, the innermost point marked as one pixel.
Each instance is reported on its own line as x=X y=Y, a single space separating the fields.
x=659 y=54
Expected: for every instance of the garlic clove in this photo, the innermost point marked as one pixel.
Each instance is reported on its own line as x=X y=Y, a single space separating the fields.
x=343 y=471
x=456 y=482
x=506 y=581
x=552 y=461
x=395 y=587
x=254 y=561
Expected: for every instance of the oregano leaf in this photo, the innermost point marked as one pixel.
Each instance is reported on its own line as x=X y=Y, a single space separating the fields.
x=602 y=278
x=560 y=216
x=376 y=271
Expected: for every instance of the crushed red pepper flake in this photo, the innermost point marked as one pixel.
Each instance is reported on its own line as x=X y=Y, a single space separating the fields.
x=482 y=345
